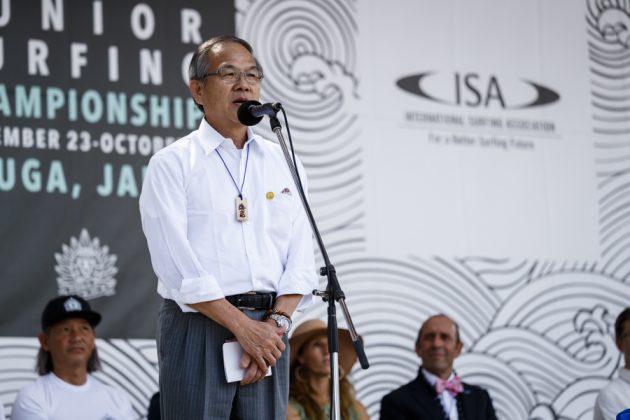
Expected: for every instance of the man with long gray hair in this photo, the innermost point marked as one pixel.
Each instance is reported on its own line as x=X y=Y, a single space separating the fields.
x=67 y=356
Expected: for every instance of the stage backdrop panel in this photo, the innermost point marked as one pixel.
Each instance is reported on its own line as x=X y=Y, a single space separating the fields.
x=88 y=92
x=478 y=122
x=470 y=159
x=464 y=158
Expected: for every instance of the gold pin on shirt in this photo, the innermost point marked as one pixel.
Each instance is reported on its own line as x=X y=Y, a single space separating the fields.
x=270 y=195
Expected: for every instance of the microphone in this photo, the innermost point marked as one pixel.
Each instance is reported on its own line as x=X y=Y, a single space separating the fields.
x=252 y=112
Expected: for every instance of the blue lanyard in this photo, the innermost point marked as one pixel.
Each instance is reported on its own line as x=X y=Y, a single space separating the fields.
x=240 y=190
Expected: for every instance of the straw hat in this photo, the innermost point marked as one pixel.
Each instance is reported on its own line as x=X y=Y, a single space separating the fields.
x=314 y=327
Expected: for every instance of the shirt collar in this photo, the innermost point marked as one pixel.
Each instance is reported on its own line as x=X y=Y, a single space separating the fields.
x=432 y=379
x=68 y=385
x=209 y=138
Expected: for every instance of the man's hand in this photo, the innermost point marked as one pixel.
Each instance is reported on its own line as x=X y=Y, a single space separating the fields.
x=261 y=343
x=252 y=370
x=281 y=331
x=253 y=373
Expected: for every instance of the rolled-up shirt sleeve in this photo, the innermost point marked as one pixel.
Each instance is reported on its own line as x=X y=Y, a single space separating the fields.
x=164 y=222
x=299 y=275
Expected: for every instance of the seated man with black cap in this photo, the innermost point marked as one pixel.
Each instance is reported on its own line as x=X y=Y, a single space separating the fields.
x=65 y=389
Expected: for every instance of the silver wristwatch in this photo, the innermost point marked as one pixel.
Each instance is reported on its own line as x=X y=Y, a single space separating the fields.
x=282 y=321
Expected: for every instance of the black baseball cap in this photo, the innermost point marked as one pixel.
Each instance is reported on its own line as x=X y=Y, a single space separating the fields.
x=64 y=307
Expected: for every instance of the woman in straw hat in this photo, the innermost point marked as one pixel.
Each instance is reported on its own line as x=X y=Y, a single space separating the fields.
x=309 y=389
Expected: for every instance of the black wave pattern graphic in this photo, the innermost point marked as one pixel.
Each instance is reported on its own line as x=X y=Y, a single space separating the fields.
x=129 y=365
x=537 y=335
x=608 y=26
x=308 y=51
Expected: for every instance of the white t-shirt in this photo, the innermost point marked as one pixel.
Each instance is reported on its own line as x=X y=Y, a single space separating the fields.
x=2 y=412
x=54 y=399
x=614 y=398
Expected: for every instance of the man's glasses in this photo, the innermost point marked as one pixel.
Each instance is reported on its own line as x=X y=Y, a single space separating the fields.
x=231 y=75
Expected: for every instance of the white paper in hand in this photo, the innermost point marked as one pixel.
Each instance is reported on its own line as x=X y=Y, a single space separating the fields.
x=232 y=353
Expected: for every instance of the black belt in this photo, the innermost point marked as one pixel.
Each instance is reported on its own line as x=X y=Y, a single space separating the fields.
x=253 y=300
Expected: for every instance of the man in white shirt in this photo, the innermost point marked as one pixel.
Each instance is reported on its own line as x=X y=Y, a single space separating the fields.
x=65 y=390
x=231 y=248
x=438 y=393
x=615 y=397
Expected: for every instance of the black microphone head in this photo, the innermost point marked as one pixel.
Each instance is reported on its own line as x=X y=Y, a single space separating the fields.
x=245 y=115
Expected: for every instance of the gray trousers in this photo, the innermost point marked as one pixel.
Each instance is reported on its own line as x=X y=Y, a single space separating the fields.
x=192 y=377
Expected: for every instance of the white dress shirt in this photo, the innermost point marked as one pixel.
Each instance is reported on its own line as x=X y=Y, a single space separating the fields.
x=614 y=397
x=449 y=403
x=199 y=251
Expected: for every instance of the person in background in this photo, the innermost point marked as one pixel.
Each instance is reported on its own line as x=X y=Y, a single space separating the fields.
x=309 y=386
x=615 y=397
x=153 y=413
x=66 y=389
x=437 y=393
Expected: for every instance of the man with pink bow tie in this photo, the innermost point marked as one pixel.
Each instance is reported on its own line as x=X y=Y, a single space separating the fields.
x=438 y=393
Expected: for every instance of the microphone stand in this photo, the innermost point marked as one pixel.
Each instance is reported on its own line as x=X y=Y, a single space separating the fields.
x=333 y=292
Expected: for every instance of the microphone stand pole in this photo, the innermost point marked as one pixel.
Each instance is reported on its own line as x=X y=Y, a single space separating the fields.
x=333 y=292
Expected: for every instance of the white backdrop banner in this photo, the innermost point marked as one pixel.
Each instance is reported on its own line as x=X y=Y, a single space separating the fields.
x=477 y=135
x=469 y=158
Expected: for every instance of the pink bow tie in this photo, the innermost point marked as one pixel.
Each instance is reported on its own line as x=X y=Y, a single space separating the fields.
x=454 y=386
